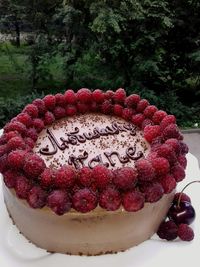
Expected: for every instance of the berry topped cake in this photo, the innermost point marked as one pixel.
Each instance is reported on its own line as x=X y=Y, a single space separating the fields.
x=90 y=172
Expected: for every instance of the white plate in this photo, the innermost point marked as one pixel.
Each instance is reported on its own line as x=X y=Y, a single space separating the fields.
x=16 y=251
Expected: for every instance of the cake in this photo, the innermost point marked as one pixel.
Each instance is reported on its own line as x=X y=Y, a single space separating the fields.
x=91 y=172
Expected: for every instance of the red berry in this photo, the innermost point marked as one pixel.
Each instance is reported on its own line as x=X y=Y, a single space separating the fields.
x=119 y=95
x=15 y=126
x=16 y=159
x=107 y=107
x=110 y=199
x=174 y=143
x=10 y=177
x=65 y=177
x=145 y=170
x=168 y=183
x=149 y=111
x=151 y=132
x=132 y=100
x=94 y=107
x=84 y=95
x=117 y=110
x=98 y=96
x=47 y=178
x=141 y=105
x=168 y=230
x=85 y=176
x=11 y=134
x=161 y=166
x=38 y=124
x=71 y=110
x=3 y=163
x=59 y=202
x=158 y=116
x=59 y=112
x=32 y=110
x=29 y=141
x=153 y=192
x=102 y=176
x=36 y=197
x=169 y=119
x=22 y=187
x=125 y=178
x=145 y=123
x=185 y=232
x=3 y=150
x=3 y=140
x=166 y=151
x=178 y=172
x=133 y=201
x=16 y=143
x=39 y=103
x=32 y=133
x=33 y=165
x=184 y=197
x=138 y=119
x=25 y=118
x=171 y=131
x=82 y=107
x=84 y=200
x=49 y=101
x=183 y=148
x=109 y=95
x=60 y=100
x=70 y=97
x=182 y=161
x=49 y=118
x=127 y=114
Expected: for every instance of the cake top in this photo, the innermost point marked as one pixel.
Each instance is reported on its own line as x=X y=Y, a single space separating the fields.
x=80 y=150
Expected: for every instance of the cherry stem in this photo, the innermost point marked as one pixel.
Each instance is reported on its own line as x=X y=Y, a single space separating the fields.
x=179 y=199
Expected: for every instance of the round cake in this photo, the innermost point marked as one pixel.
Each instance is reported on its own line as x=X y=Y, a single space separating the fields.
x=90 y=172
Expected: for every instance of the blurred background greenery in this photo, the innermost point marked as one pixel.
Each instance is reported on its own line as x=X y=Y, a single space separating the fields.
x=148 y=47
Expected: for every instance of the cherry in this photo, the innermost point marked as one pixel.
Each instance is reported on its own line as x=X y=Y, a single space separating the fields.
x=182 y=212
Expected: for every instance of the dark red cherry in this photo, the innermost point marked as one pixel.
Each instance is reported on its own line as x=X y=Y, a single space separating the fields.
x=182 y=213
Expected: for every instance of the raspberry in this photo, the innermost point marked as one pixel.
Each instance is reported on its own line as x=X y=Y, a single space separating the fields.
x=109 y=95
x=39 y=103
x=171 y=131
x=107 y=107
x=127 y=114
x=168 y=183
x=85 y=176
x=110 y=199
x=3 y=140
x=156 y=143
x=125 y=178
x=184 y=197
x=161 y=166
x=149 y=111
x=33 y=165
x=16 y=143
x=145 y=170
x=98 y=96
x=145 y=123
x=185 y=232
x=59 y=112
x=174 y=143
x=119 y=95
x=70 y=97
x=59 y=202
x=16 y=159
x=3 y=150
x=182 y=161
x=82 y=107
x=71 y=110
x=102 y=176
x=22 y=187
x=152 y=155
x=3 y=163
x=117 y=109
x=166 y=151
x=37 y=197
x=47 y=178
x=84 y=95
x=153 y=192
x=60 y=100
x=49 y=101
x=49 y=118
x=15 y=126
x=169 y=119
x=38 y=124
x=158 y=116
x=11 y=134
x=183 y=148
x=32 y=133
x=168 y=230
x=32 y=110
x=178 y=172
x=132 y=100
x=84 y=200
x=10 y=178
x=94 y=107
x=25 y=118
x=138 y=119
x=151 y=132
x=133 y=201
x=141 y=105
x=28 y=141
x=65 y=177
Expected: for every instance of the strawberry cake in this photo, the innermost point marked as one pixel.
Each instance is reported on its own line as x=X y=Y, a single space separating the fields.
x=90 y=172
